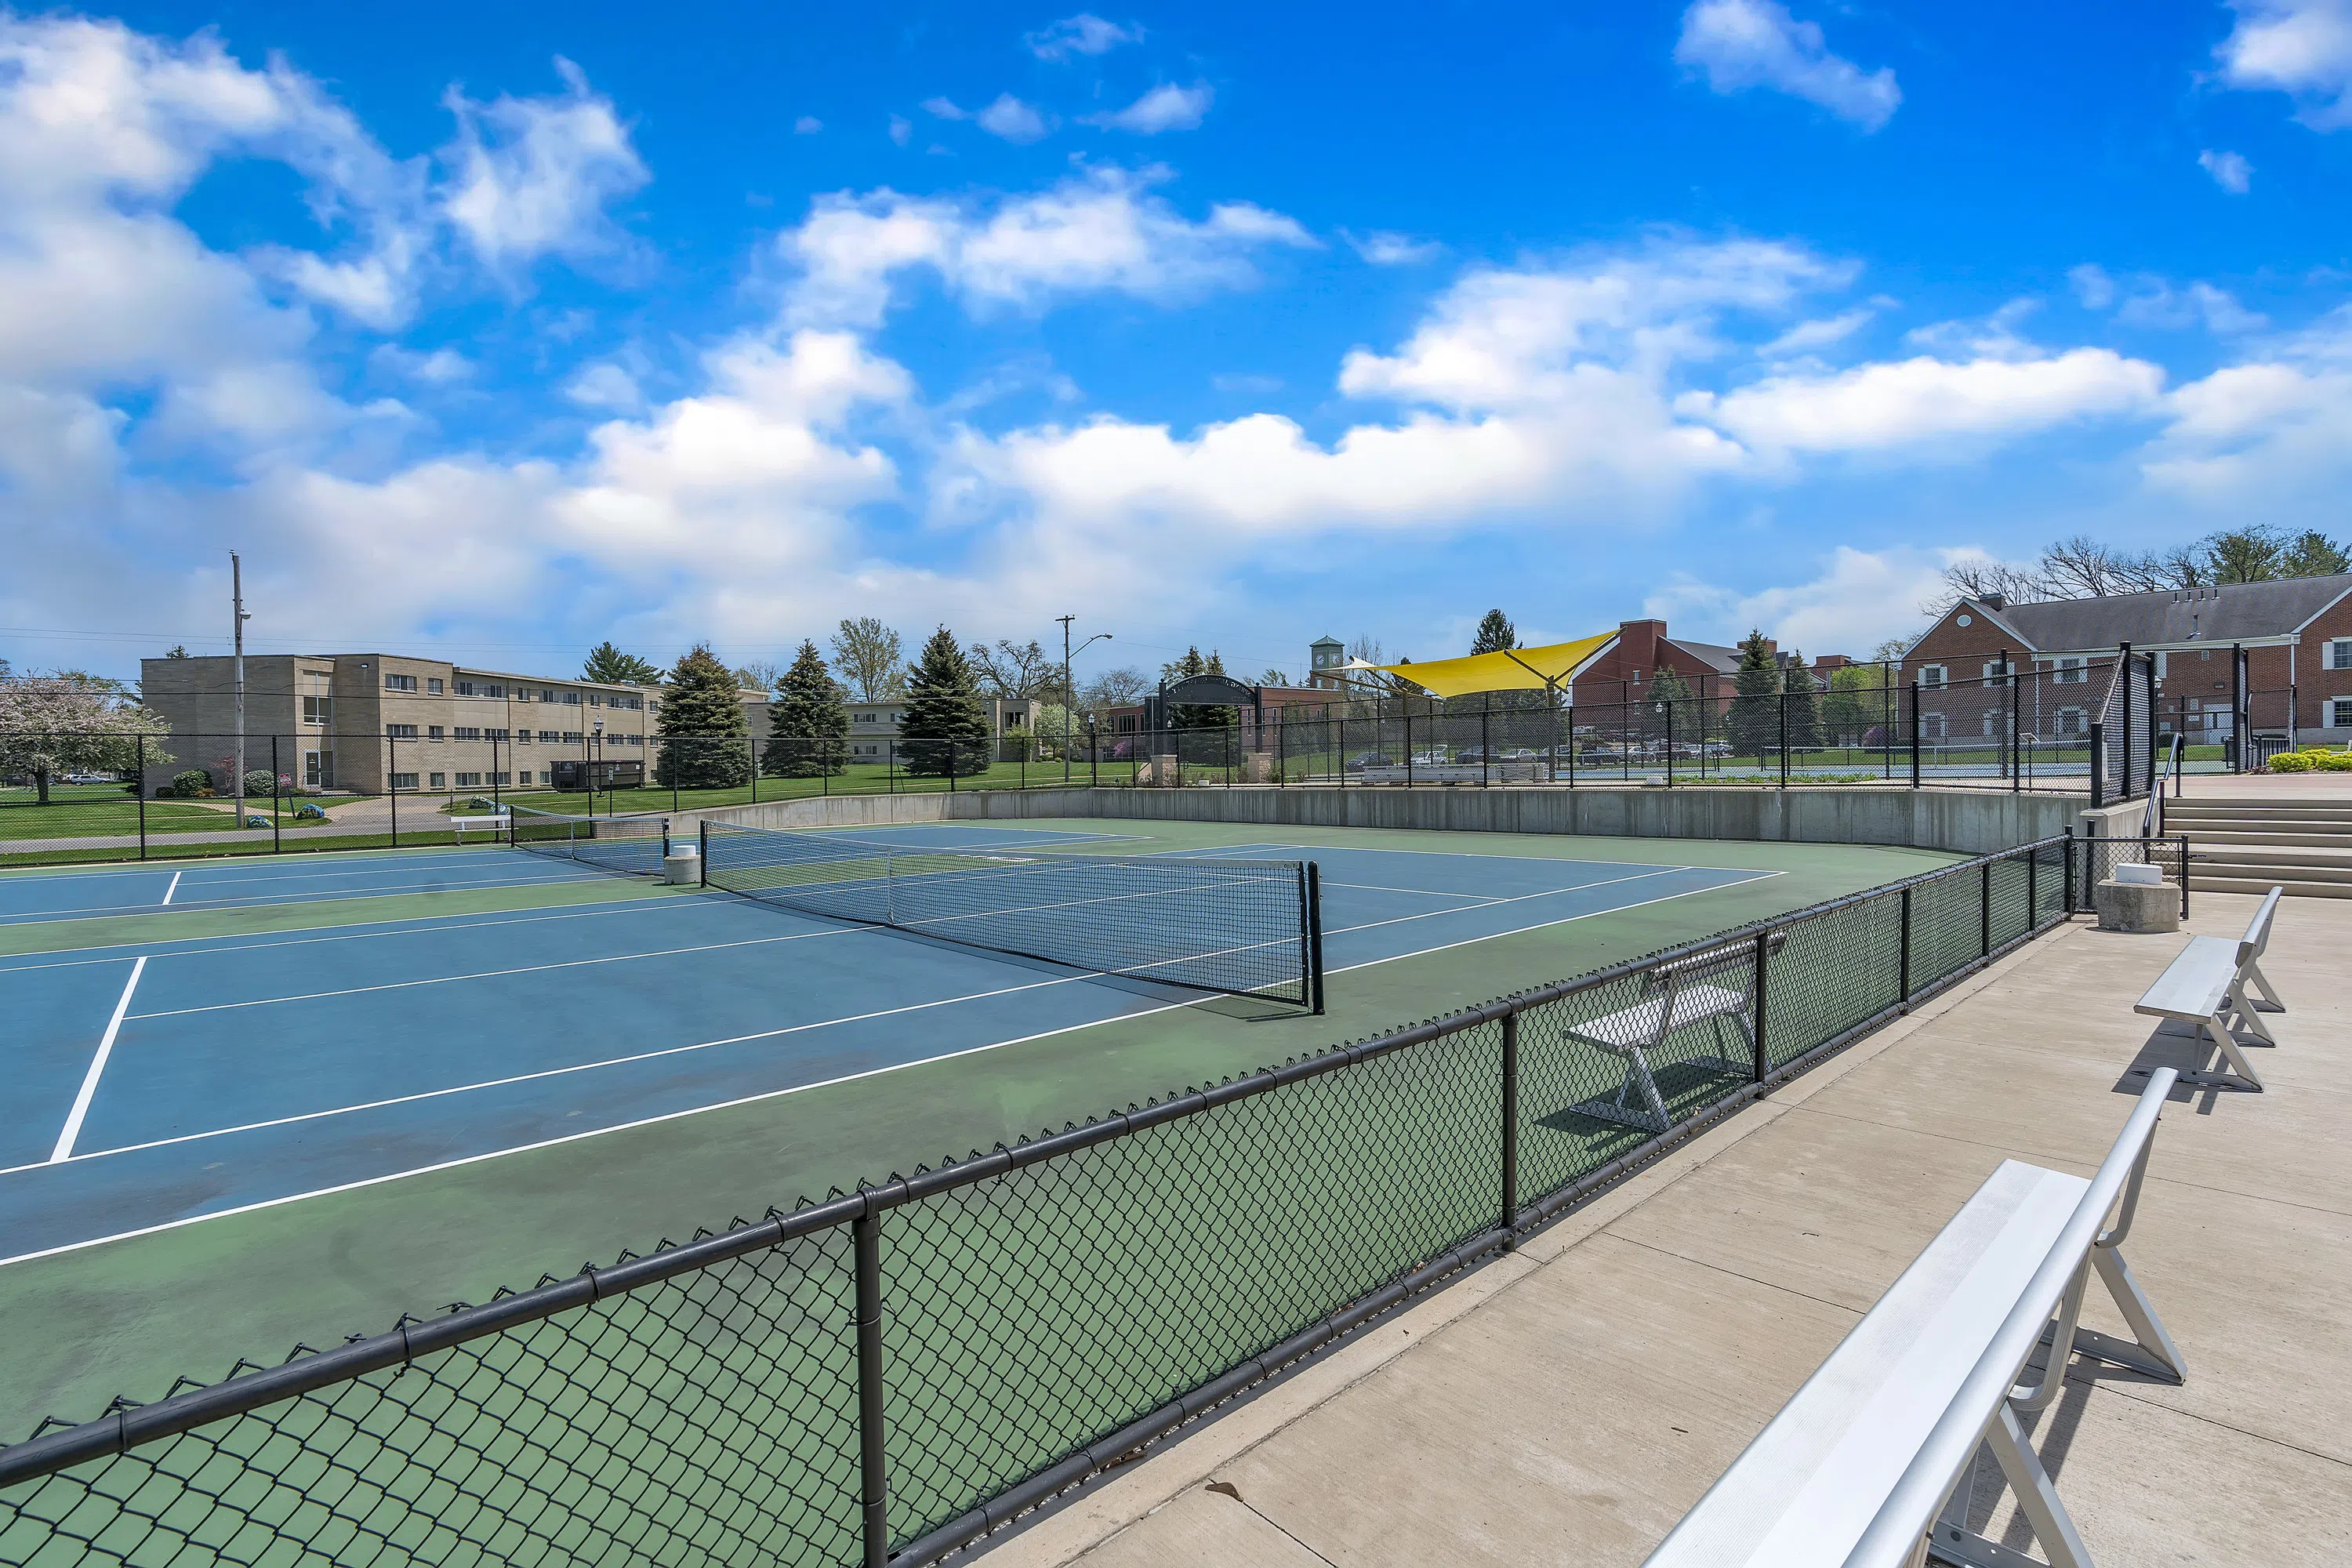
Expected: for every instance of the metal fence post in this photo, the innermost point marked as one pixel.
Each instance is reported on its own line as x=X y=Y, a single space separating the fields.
x=1669 y=707
x=2183 y=842
x=276 y=817
x=2098 y=765
x=1510 y=1121
x=1914 y=734
x=2067 y=888
x=873 y=1494
x=390 y=785
x=141 y=797
x=1763 y=967
x=1784 y=742
x=2016 y=733
x=1984 y=915
x=1903 y=947
x=2033 y=888
x=1485 y=747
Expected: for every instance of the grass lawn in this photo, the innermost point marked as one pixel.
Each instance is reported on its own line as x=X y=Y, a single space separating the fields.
x=86 y=811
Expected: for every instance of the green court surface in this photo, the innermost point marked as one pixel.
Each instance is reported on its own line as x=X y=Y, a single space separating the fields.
x=127 y=1316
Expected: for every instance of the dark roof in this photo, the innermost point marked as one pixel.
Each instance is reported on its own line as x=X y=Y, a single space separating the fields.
x=1725 y=659
x=2231 y=612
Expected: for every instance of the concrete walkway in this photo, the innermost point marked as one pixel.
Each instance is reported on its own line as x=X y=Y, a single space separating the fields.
x=1567 y=1404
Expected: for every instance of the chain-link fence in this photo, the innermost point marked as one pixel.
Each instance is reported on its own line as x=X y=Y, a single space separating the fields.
x=891 y=1374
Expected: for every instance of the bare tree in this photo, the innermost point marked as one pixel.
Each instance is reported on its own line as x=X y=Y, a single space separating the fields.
x=2080 y=567
x=1982 y=579
x=1116 y=689
x=2158 y=570
x=867 y=655
x=760 y=674
x=1013 y=669
x=1273 y=677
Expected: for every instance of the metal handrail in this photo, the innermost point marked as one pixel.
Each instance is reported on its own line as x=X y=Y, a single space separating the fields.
x=2152 y=822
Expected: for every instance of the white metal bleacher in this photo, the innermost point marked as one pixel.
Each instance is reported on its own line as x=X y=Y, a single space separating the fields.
x=1713 y=987
x=1872 y=1463
x=2206 y=985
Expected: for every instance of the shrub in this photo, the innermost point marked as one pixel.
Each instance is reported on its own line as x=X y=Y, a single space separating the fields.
x=2291 y=762
x=2336 y=762
x=260 y=783
x=193 y=785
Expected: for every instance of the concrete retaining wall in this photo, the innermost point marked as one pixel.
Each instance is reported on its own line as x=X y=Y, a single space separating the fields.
x=1969 y=822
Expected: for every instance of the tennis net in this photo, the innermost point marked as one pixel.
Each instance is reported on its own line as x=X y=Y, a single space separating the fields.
x=630 y=844
x=1247 y=928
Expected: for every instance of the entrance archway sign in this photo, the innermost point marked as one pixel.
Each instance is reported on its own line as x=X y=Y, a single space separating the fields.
x=1201 y=692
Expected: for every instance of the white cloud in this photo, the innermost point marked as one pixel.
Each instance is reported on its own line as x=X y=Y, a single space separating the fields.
x=1742 y=44
x=2093 y=287
x=1165 y=108
x=532 y=177
x=2273 y=433
x=1084 y=34
x=1386 y=248
x=1099 y=231
x=807 y=125
x=1859 y=599
x=604 y=386
x=1247 y=384
x=1807 y=337
x=2145 y=300
x=2303 y=48
x=901 y=128
x=442 y=367
x=944 y=109
x=1013 y=119
x=1926 y=403
x=2230 y=170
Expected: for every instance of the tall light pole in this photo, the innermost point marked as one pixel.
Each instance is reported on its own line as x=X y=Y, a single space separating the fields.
x=1069 y=693
x=237 y=619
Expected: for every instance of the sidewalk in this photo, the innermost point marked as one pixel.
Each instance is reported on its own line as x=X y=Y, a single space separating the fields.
x=1570 y=1402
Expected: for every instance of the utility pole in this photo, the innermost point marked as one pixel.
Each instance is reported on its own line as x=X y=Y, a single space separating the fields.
x=1069 y=693
x=237 y=603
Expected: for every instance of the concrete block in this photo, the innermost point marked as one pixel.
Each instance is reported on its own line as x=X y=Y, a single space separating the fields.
x=2136 y=907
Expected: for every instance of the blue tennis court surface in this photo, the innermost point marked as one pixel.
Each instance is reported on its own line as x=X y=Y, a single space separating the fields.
x=156 y=1082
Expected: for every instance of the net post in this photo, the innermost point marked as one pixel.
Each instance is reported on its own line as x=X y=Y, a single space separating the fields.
x=1315 y=936
x=1511 y=1125
x=1903 y=949
x=1755 y=1040
x=874 y=1490
x=702 y=852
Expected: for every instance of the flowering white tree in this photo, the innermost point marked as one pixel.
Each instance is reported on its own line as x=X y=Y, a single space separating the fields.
x=67 y=721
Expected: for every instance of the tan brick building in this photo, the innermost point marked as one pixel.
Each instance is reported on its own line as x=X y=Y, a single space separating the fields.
x=368 y=721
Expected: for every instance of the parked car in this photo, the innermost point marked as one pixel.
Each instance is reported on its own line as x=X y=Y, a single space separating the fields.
x=1363 y=760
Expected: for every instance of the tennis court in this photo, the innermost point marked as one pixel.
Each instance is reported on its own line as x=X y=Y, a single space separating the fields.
x=458 y=1099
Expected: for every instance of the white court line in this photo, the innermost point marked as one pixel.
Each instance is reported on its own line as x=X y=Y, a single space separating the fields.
x=172 y=889
x=368 y=930
x=502 y=974
x=64 y=1150
x=248 y=901
x=764 y=1095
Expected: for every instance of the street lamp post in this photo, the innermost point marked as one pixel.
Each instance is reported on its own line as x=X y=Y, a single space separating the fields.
x=596 y=740
x=1069 y=694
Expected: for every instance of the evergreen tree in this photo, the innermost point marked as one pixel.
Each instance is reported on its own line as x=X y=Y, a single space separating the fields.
x=610 y=666
x=808 y=723
x=705 y=741
x=944 y=731
x=1799 y=691
x=1496 y=634
x=1198 y=715
x=1755 y=706
x=2311 y=553
x=2245 y=555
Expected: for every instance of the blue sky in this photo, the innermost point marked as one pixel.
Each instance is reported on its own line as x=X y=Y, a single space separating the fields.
x=496 y=331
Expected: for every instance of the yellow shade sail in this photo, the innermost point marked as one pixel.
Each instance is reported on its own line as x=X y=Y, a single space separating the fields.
x=1520 y=670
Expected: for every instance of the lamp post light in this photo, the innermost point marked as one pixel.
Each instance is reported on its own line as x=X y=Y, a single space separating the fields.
x=1069 y=694
x=596 y=740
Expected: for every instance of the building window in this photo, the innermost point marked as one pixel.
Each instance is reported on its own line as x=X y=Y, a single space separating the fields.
x=547 y=737
x=465 y=688
x=595 y=699
x=319 y=710
x=1931 y=726
x=433 y=686
x=437 y=780
x=2339 y=654
x=1931 y=677
x=2072 y=673
x=400 y=683
x=523 y=693
x=573 y=737
x=547 y=694
x=404 y=780
x=2070 y=721
x=2339 y=715
x=401 y=732
x=571 y=698
x=432 y=732
x=494 y=734
x=523 y=737
x=469 y=780
x=468 y=731
x=1992 y=723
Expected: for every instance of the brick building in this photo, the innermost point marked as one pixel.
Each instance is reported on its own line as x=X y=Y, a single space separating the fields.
x=1625 y=672
x=2296 y=635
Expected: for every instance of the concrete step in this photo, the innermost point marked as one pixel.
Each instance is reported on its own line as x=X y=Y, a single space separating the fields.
x=2295 y=890
x=2297 y=810
x=2320 y=825
x=2299 y=855
x=2264 y=841
x=2258 y=870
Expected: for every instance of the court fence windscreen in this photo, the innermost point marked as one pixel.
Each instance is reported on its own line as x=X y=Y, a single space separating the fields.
x=892 y=1375
x=1250 y=927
